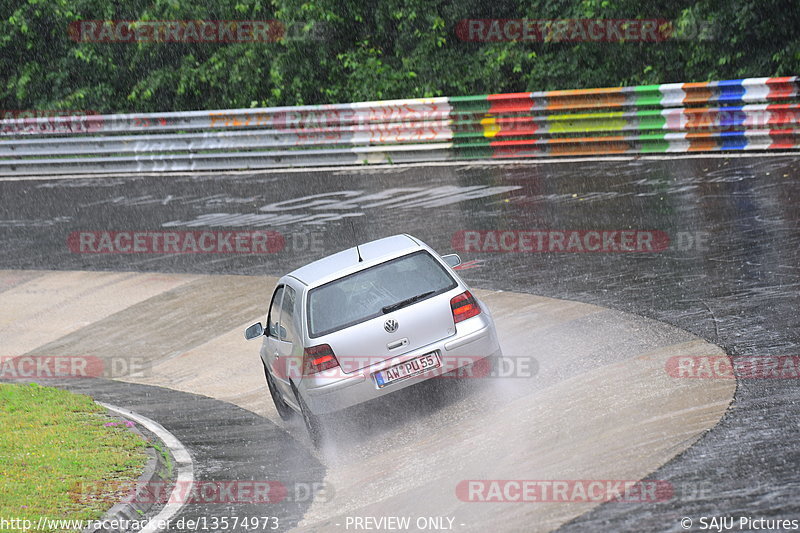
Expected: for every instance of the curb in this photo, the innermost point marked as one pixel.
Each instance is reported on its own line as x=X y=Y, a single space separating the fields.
x=143 y=505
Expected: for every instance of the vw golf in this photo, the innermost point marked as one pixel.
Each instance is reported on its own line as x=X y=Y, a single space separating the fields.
x=365 y=322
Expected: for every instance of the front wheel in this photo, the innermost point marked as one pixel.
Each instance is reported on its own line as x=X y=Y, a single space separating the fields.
x=284 y=411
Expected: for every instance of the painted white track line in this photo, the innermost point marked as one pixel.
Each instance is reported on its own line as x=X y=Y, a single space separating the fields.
x=182 y=458
x=398 y=166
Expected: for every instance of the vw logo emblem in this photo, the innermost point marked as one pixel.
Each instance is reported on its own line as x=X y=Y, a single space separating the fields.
x=391 y=325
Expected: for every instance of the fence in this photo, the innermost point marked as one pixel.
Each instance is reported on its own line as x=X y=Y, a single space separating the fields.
x=748 y=114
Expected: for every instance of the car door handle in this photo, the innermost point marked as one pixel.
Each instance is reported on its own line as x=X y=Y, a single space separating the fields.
x=277 y=354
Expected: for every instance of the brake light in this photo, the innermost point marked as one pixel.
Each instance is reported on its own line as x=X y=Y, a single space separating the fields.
x=464 y=306
x=318 y=358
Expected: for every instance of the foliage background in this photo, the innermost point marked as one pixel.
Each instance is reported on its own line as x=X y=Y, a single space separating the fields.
x=344 y=51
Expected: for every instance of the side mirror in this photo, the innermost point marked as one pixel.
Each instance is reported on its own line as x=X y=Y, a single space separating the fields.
x=453 y=260
x=282 y=332
x=254 y=331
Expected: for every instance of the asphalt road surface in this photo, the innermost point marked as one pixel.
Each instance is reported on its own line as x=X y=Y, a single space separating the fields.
x=727 y=272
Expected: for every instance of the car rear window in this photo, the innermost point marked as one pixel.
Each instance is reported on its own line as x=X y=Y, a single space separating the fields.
x=363 y=295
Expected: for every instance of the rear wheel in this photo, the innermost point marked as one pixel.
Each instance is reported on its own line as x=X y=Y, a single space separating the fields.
x=312 y=421
x=284 y=411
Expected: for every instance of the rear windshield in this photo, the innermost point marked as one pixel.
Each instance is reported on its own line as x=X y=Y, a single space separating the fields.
x=363 y=295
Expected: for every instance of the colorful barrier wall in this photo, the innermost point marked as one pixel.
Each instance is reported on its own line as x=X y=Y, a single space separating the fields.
x=747 y=114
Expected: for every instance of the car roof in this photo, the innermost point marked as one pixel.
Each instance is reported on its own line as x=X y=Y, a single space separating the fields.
x=346 y=262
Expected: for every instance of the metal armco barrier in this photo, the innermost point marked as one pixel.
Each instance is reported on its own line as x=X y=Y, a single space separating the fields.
x=748 y=114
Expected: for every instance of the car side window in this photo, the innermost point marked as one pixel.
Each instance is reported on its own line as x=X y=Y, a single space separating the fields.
x=273 y=318
x=288 y=330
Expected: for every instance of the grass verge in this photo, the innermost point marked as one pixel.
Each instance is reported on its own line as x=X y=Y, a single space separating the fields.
x=58 y=458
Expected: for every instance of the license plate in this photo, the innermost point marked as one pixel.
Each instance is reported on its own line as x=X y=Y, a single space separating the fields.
x=412 y=367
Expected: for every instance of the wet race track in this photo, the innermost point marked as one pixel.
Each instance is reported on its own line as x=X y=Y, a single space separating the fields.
x=716 y=263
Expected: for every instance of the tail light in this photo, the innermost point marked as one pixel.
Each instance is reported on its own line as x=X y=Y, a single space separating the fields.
x=318 y=358
x=464 y=306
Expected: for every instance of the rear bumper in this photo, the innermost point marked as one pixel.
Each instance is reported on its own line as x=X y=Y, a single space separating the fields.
x=329 y=391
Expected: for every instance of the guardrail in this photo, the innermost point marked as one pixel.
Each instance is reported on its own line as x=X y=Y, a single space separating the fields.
x=749 y=114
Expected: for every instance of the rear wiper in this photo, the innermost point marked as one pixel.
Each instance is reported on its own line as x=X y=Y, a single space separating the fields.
x=407 y=301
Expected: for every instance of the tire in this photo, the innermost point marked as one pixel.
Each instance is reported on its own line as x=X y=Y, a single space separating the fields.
x=284 y=411
x=313 y=422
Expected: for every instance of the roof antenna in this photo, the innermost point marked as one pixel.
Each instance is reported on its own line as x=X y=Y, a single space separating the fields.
x=353 y=230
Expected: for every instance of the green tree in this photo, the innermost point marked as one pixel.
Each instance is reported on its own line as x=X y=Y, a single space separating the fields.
x=344 y=51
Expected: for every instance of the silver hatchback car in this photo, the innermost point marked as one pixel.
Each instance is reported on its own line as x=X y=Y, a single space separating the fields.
x=365 y=322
